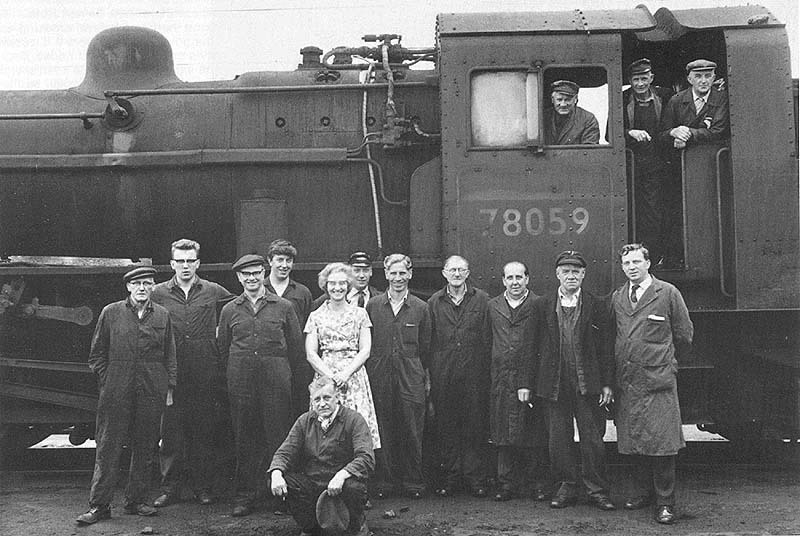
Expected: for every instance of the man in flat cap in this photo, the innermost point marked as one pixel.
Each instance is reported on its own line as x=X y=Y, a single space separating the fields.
x=567 y=123
x=361 y=291
x=699 y=113
x=574 y=375
x=329 y=449
x=133 y=355
x=261 y=344
x=644 y=105
x=187 y=427
x=654 y=332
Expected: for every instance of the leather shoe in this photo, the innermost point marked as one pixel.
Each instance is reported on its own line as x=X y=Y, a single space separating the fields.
x=204 y=498
x=479 y=492
x=139 y=509
x=636 y=503
x=602 y=502
x=665 y=515
x=539 y=495
x=164 y=500
x=95 y=514
x=367 y=505
x=562 y=501
x=503 y=495
x=241 y=510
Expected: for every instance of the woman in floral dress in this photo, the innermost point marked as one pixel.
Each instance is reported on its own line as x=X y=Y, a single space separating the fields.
x=338 y=342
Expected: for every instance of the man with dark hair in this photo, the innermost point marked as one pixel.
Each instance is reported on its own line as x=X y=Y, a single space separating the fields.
x=133 y=354
x=574 y=377
x=517 y=428
x=653 y=332
x=328 y=451
x=459 y=371
x=397 y=368
x=186 y=451
x=261 y=344
x=566 y=123
x=281 y=255
x=644 y=106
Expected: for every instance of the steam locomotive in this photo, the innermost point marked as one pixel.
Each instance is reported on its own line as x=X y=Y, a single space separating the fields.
x=427 y=151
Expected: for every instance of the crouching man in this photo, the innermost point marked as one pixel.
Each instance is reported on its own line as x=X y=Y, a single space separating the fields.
x=328 y=452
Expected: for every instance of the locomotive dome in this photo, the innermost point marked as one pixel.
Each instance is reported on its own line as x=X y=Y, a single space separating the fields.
x=128 y=57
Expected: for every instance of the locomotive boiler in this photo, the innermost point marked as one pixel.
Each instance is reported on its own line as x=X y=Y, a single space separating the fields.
x=427 y=151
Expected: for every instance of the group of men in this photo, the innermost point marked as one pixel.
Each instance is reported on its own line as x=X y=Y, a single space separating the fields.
x=657 y=124
x=514 y=370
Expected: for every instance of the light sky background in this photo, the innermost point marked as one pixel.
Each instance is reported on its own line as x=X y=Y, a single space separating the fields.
x=43 y=42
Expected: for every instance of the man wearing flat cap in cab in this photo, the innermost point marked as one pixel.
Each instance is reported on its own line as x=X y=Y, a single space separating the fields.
x=133 y=355
x=699 y=113
x=261 y=344
x=644 y=106
x=567 y=123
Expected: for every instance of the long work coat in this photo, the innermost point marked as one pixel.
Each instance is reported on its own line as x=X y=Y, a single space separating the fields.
x=650 y=338
x=459 y=368
x=511 y=421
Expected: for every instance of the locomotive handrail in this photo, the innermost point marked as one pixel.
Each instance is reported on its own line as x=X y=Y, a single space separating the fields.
x=722 y=281
x=253 y=89
x=83 y=116
x=632 y=190
x=684 y=215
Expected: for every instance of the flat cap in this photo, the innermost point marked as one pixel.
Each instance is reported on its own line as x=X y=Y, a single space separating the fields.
x=571 y=257
x=640 y=66
x=245 y=261
x=360 y=258
x=700 y=65
x=567 y=87
x=333 y=516
x=139 y=273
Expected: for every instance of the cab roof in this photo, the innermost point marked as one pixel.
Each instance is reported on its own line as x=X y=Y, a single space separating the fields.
x=638 y=19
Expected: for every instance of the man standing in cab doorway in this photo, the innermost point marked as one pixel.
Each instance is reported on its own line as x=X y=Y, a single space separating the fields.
x=566 y=123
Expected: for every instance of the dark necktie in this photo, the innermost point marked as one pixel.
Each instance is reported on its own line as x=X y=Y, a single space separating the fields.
x=634 y=299
x=361 y=298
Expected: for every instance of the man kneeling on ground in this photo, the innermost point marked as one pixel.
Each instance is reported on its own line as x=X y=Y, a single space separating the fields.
x=328 y=450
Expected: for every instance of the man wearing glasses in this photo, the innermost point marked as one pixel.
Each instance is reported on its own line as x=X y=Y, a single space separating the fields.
x=459 y=370
x=133 y=355
x=186 y=452
x=261 y=344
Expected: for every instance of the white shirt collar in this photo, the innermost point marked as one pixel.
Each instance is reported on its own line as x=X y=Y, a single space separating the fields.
x=567 y=300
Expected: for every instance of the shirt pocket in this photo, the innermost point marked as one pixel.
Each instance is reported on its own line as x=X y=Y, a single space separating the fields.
x=273 y=331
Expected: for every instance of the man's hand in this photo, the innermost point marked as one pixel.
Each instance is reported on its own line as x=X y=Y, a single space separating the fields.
x=639 y=135
x=678 y=144
x=524 y=395
x=681 y=133
x=337 y=482
x=279 y=488
x=607 y=397
x=170 y=399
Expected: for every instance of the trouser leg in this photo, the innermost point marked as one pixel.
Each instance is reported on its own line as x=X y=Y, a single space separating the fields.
x=301 y=497
x=408 y=457
x=561 y=447
x=641 y=476
x=505 y=467
x=111 y=431
x=171 y=452
x=199 y=432
x=354 y=495
x=591 y=428
x=473 y=466
x=246 y=430
x=663 y=470
x=144 y=437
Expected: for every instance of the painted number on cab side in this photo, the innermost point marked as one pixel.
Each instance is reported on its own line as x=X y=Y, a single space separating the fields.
x=536 y=221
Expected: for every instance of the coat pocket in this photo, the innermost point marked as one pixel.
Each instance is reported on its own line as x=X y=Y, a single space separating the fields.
x=659 y=377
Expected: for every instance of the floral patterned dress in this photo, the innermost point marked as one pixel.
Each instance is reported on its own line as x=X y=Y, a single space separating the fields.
x=337 y=336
